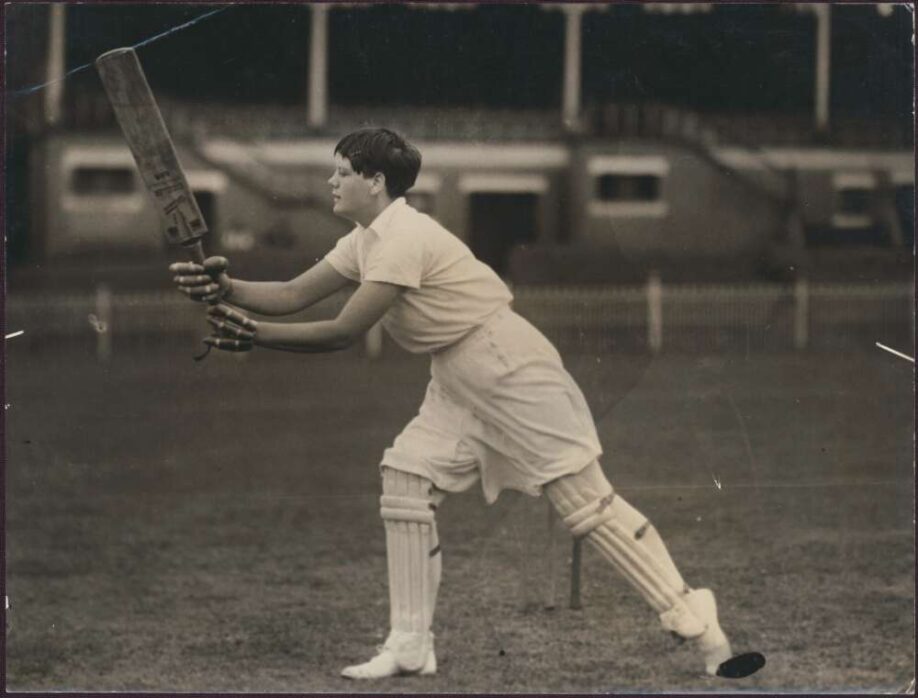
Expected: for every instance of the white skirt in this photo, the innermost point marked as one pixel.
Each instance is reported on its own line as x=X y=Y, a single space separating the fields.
x=500 y=407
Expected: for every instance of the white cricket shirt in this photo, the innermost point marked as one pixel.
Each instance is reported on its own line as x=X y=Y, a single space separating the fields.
x=448 y=292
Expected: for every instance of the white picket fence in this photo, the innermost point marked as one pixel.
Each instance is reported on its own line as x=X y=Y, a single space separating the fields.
x=719 y=318
x=650 y=318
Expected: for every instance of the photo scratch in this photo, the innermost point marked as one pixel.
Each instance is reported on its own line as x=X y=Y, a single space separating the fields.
x=98 y=325
x=896 y=353
x=31 y=89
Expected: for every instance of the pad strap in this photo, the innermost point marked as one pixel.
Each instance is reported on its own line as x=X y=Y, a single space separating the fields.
x=594 y=514
x=395 y=508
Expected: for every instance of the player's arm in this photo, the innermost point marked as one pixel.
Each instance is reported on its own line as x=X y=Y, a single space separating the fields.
x=236 y=332
x=210 y=282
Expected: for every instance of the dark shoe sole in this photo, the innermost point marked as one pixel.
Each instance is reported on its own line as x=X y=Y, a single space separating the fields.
x=741 y=666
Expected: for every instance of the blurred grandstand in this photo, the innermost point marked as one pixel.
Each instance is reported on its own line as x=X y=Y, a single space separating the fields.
x=566 y=144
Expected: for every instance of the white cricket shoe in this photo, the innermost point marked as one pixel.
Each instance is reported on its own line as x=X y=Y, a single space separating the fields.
x=713 y=643
x=386 y=664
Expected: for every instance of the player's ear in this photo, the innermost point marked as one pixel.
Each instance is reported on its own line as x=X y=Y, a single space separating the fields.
x=378 y=185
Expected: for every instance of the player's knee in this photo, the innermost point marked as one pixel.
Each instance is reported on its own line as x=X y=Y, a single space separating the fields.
x=586 y=484
x=407 y=497
x=583 y=500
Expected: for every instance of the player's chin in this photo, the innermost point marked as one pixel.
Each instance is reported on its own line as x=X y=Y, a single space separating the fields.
x=341 y=210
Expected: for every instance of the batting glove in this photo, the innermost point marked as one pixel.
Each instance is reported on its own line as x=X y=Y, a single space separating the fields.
x=235 y=331
x=206 y=282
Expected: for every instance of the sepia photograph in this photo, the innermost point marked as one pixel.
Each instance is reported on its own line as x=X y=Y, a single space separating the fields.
x=459 y=347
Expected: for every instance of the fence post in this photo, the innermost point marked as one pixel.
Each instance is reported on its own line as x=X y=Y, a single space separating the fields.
x=548 y=602
x=654 y=312
x=801 y=314
x=374 y=341
x=103 y=324
x=576 y=548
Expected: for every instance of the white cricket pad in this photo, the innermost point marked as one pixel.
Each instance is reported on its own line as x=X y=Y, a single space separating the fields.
x=407 y=508
x=586 y=502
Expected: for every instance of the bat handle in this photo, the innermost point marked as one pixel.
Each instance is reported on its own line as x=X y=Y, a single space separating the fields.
x=196 y=250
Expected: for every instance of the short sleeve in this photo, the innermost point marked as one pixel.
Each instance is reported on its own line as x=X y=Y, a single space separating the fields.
x=396 y=259
x=343 y=257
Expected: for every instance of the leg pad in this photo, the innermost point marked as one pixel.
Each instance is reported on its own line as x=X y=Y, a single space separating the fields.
x=407 y=508
x=586 y=502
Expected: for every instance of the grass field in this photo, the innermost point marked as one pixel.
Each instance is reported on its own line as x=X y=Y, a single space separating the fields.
x=174 y=526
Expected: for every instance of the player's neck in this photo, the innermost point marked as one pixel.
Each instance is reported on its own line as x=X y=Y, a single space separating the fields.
x=368 y=215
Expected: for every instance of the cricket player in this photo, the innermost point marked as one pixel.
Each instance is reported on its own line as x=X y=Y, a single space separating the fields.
x=500 y=407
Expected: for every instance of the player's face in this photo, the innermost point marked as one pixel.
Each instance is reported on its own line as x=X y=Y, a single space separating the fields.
x=351 y=192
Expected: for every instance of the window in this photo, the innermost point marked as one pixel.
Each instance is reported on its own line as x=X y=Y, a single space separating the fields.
x=854 y=201
x=854 y=192
x=854 y=221
x=102 y=181
x=627 y=187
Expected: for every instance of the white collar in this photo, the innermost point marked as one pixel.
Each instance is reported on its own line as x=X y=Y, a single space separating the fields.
x=380 y=224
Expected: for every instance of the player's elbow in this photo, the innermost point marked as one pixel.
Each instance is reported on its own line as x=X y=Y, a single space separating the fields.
x=344 y=335
x=341 y=343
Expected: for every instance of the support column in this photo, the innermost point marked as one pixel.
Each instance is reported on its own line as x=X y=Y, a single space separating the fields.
x=823 y=65
x=318 y=66
x=573 y=50
x=654 y=313
x=54 y=72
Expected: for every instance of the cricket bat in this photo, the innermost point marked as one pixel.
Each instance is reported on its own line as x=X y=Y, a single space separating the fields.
x=152 y=147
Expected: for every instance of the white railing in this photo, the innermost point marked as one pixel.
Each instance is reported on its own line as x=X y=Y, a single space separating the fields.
x=598 y=319
x=716 y=318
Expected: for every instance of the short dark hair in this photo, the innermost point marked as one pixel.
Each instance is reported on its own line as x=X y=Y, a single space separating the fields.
x=372 y=150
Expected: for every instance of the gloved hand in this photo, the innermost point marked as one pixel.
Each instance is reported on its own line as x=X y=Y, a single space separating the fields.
x=235 y=331
x=208 y=282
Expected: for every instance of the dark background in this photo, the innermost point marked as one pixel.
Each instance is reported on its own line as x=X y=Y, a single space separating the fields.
x=735 y=57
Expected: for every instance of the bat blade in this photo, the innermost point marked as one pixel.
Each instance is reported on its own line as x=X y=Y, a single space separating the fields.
x=146 y=134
